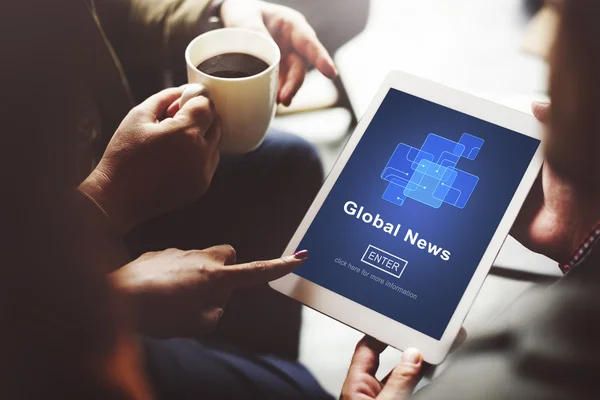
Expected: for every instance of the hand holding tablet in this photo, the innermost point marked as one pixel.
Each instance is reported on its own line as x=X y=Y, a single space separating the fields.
x=414 y=212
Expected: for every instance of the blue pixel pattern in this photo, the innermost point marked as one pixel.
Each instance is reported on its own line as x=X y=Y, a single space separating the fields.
x=429 y=174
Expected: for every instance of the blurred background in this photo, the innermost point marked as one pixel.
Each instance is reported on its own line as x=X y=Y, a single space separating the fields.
x=493 y=49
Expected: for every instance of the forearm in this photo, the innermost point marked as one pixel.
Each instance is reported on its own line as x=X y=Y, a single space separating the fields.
x=104 y=247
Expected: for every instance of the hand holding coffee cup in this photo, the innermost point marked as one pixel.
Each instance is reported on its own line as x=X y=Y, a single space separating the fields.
x=238 y=70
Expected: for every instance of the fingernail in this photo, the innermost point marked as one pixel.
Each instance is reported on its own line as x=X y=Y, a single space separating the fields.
x=326 y=59
x=193 y=86
x=283 y=94
x=335 y=71
x=301 y=255
x=541 y=103
x=220 y=313
x=411 y=356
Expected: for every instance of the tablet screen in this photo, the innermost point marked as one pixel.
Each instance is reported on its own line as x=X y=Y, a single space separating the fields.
x=411 y=215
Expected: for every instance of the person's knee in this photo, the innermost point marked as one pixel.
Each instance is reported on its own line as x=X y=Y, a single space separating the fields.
x=302 y=165
x=310 y=163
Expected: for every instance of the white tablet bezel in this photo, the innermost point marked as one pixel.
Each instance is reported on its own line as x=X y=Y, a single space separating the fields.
x=371 y=322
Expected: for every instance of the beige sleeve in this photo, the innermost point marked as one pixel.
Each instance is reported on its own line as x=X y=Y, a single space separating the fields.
x=150 y=36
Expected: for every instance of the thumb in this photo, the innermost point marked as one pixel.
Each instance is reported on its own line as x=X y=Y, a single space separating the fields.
x=173 y=109
x=198 y=112
x=209 y=319
x=541 y=111
x=158 y=104
x=404 y=377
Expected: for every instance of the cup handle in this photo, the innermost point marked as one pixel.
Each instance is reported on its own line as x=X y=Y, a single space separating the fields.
x=192 y=90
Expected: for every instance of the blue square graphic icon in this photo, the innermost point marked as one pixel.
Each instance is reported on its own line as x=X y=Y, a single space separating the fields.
x=444 y=186
x=435 y=170
x=399 y=168
x=429 y=174
x=394 y=194
x=452 y=196
x=472 y=145
x=423 y=191
x=465 y=184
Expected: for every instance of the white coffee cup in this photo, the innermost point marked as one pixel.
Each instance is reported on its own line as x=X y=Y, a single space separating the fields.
x=246 y=105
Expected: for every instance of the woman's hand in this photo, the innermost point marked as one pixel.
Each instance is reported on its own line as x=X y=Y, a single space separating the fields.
x=296 y=39
x=560 y=210
x=156 y=163
x=178 y=293
x=361 y=383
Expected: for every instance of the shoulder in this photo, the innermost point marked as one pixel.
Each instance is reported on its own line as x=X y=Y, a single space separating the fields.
x=547 y=345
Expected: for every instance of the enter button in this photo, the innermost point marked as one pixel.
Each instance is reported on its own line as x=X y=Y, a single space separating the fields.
x=384 y=261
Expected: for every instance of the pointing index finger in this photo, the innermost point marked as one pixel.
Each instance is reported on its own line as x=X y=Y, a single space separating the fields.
x=259 y=272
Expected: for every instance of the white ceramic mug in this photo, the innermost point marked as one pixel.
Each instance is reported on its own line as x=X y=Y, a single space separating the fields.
x=246 y=105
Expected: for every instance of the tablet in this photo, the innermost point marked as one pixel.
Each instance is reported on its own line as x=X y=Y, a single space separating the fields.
x=414 y=212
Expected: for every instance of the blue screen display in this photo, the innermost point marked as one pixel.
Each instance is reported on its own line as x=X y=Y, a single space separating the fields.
x=412 y=213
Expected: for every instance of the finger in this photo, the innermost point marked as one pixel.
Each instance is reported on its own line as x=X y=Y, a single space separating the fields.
x=404 y=377
x=281 y=32
x=282 y=37
x=223 y=254
x=541 y=111
x=283 y=72
x=159 y=103
x=214 y=156
x=294 y=79
x=213 y=139
x=259 y=272
x=198 y=112
x=305 y=42
x=173 y=108
x=213 y=165
x=209 y=319
x=213 y=135
x=176 y=105
x=366 y=356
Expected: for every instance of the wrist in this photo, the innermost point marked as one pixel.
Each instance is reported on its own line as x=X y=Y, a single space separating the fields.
x=96 y=189
x=120 y=281
x=562 y=251
x=137 y=297
x=580 y=242
x=583 y=249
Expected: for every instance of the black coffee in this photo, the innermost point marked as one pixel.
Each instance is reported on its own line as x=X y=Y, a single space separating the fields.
x=233 y=65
